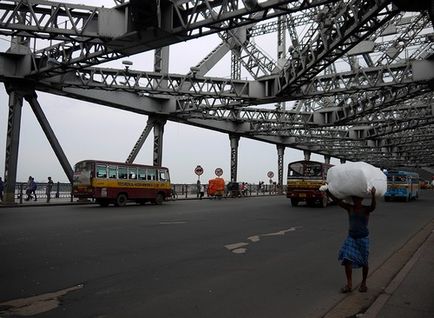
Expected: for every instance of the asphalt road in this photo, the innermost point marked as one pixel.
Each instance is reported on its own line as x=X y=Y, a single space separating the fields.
x=253 y=257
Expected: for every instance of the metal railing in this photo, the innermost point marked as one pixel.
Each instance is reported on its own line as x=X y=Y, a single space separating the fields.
x=58 y=190
x=179 y=191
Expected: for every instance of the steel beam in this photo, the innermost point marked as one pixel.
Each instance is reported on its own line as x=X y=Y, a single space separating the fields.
x=280 y=167
x=234 y=141
x=139 y=144
x=337 y=34
x=159 y=123
x=84 y=43
x=49 y=133
x=12 y=144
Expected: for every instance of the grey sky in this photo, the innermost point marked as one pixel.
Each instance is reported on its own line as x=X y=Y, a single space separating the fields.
x=90 y=131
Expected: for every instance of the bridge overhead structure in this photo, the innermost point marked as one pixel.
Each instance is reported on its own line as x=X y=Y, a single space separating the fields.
x=352 y=79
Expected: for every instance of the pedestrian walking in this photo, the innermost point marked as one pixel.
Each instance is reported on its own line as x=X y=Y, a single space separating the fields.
x=354 y=252
x=33 y=188
x=2 y=187
x=29 y=189
x=49 y=188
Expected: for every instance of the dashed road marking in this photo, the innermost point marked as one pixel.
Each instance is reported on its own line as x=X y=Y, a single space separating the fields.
x=254 y=238
x=172 y=222
x=283 y=232
x=240 y=248
x=234 y=246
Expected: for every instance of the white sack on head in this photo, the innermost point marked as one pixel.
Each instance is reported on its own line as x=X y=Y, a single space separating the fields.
x=356 y=179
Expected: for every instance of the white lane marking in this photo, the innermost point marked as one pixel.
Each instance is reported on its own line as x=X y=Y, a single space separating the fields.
x=236 y=245
x=238 y=248
x=36 y=304
x=254 y=238
x=283 y=232
x=172 y=222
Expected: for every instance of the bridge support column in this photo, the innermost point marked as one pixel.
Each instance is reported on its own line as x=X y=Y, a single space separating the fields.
x=307 y=154
x=158 y=141
x=12 y=145
x=234 y=139
x=327 y=159
x=280 y=160
x=49 y=133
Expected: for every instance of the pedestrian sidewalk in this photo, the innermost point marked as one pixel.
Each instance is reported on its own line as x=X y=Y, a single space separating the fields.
x=403 y=286
x=411 y=292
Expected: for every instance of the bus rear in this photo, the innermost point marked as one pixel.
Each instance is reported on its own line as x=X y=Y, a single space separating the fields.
x=402 y=185
x=304 y=180
x=82 y=182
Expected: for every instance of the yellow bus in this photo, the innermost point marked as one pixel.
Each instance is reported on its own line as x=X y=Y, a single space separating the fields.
x=117 y=182
x=304 y=180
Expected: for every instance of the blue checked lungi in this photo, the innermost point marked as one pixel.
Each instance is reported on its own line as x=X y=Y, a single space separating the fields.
x=356 y=251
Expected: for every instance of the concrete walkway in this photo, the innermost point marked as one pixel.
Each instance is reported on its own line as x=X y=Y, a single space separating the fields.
x=403 y=286
x=411 y=292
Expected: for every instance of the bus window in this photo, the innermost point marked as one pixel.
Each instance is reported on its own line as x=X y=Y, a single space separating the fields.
x=112 y=172
x=132 y=173
x=101 y=171
x=151 y=174
x=297 y=168
x=164 y=175
x=400 y=179
x=122 y=172
x=142 y=174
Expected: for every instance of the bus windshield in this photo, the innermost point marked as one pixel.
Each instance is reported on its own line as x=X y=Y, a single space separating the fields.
x=305 y=169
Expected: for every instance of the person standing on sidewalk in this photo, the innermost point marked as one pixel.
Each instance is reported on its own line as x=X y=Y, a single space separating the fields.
x=49 y=188
x=354 y=252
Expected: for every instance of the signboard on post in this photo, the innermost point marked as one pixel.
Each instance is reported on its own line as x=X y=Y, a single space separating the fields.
x=270 y=174
x=198 y=170
x=218 y=172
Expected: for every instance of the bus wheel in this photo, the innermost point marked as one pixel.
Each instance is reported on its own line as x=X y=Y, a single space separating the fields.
x=121 y=200
x=159 y=199
x=294 y=202
x=324 y=202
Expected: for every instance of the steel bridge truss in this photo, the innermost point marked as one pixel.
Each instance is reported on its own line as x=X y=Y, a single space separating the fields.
x=354 y=81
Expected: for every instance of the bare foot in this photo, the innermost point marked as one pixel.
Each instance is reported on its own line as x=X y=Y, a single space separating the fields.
x=346 y=289
x=363 y=289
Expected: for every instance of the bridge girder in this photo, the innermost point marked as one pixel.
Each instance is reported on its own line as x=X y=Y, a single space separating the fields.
x=356 y=97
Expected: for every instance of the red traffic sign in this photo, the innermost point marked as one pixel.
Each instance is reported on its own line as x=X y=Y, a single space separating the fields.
x=218 y=172
x=270 y=174
x=198 y=170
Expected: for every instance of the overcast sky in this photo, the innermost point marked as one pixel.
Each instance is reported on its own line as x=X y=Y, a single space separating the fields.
x=90 y=131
